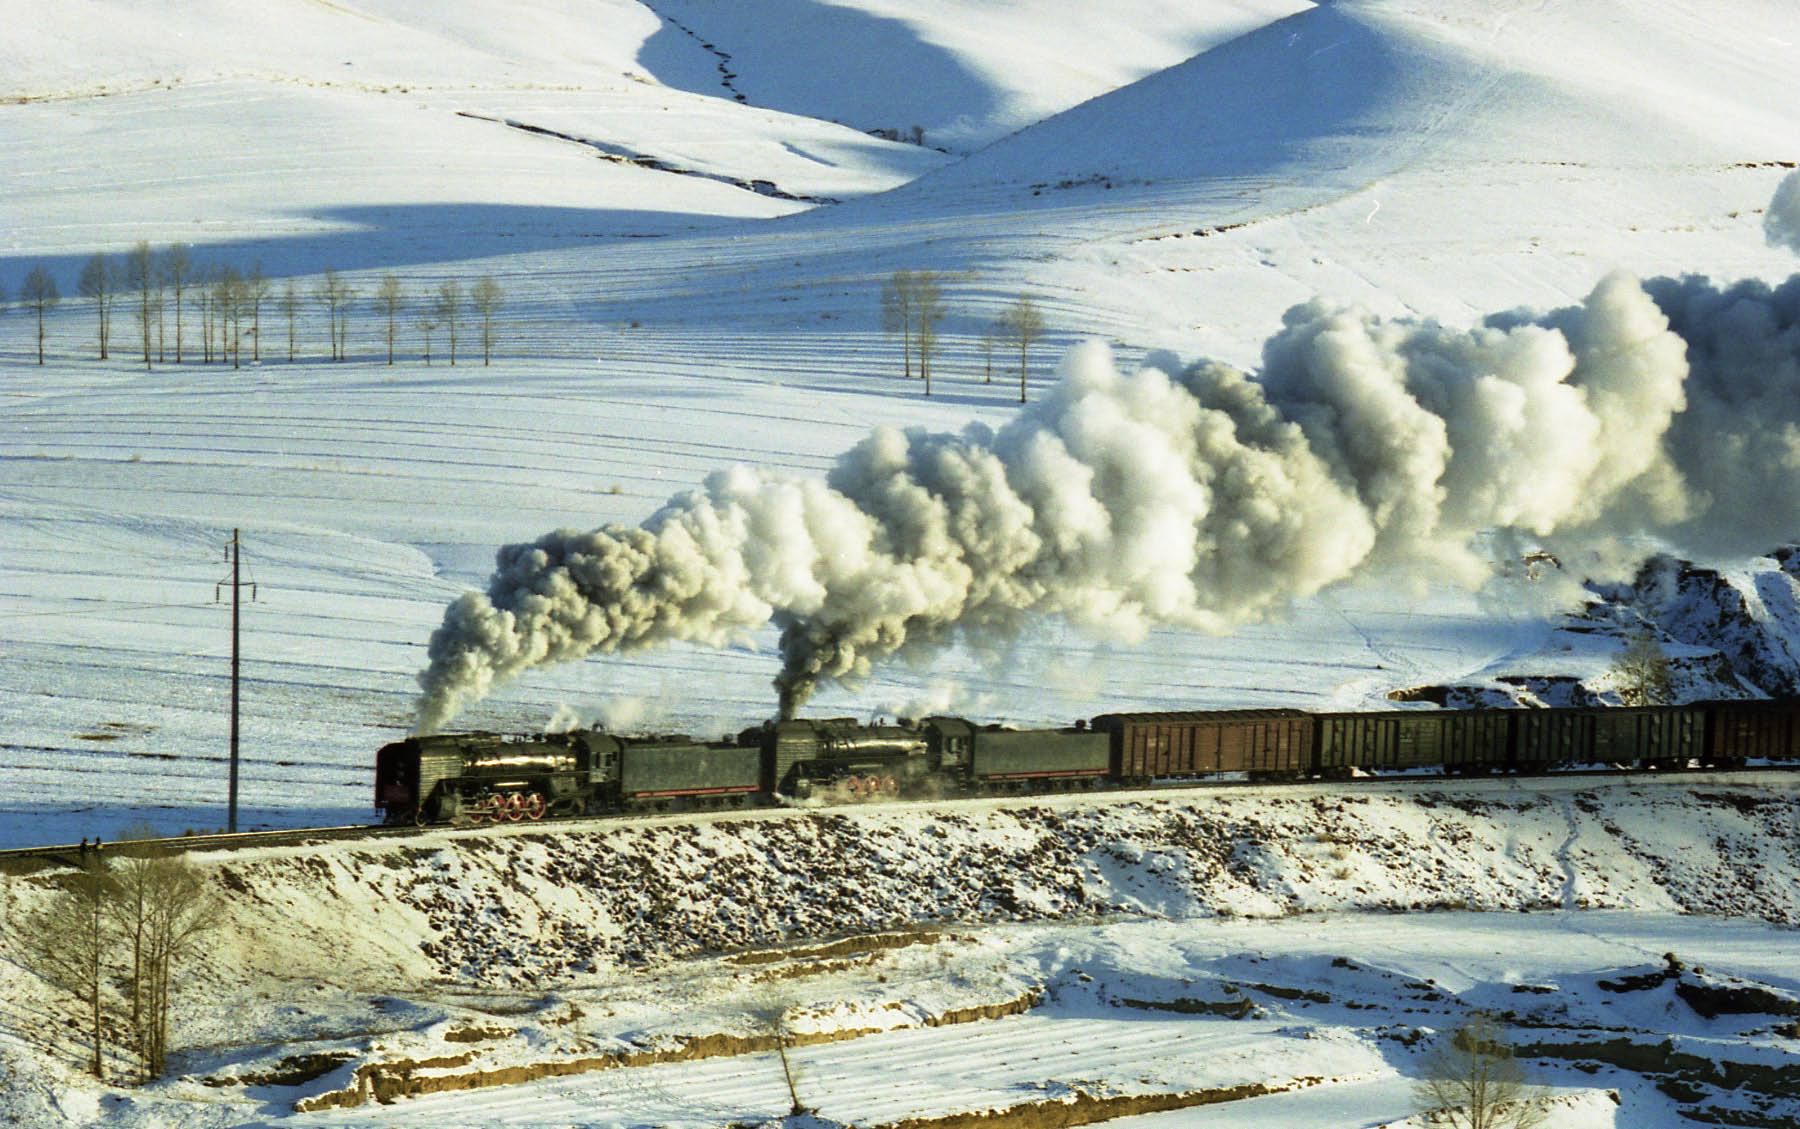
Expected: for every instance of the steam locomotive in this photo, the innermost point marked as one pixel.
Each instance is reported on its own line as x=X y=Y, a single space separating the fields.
x=490 y=777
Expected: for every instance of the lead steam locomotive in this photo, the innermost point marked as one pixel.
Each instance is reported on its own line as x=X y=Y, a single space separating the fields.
x=489 y=777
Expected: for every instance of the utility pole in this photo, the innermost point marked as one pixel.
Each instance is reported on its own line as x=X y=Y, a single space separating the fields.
x=236 y=582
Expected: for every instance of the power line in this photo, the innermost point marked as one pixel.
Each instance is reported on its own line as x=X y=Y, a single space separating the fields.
x=106 y=606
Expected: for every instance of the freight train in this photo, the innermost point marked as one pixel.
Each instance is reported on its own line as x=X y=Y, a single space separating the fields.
x=489 y=777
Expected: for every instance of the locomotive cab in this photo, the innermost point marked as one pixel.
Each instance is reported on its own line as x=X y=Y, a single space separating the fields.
x=407 y=778
x=397 y=781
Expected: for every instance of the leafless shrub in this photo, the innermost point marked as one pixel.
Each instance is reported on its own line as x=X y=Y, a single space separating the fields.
x=1472 y=1081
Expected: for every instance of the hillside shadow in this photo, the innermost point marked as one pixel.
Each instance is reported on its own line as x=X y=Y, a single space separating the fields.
x=816 y=60
x=1314 y=92
x=404 y=236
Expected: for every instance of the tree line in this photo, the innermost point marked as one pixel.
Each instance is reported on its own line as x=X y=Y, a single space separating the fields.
x=167 y=294
x=117 y=936
x=912 y=306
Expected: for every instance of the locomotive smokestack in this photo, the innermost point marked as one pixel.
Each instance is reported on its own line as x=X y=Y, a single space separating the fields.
x=1202 y=496
x=787 y=704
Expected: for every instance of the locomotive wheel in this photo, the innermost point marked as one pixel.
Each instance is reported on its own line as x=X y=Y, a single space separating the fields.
x=890 y=786
x=535 y=806
x=514 y=807
x=853 y=784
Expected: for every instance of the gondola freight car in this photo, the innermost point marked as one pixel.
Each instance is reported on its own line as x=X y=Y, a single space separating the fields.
x=1643 y=736
x=1455 y=740
x=1158 y=746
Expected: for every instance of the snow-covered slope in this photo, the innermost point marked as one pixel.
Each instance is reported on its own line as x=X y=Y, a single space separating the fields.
x=1180 y=175
x=1190 y=943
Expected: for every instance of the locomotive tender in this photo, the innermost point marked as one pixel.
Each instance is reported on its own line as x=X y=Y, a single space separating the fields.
x=489 y=777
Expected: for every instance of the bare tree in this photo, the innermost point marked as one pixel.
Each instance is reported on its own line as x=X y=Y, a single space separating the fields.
x=336 y=294
x=897 y=312
x=290 y=306
x=485 y=296
x=228 y=313
x=928 y=310
x=989 y=338
x=447 y=308
x=41 y=295
x=66 y=942
x=1643 y=673
x=427 y=323
x=140 y=275
x=772 y=1011
x=177 y=271
x=1022 y=323
x=1472 y=1081
x=99 y=284
x=256 y=292
x=164 y=909
x=390 y=298
x=200 y=281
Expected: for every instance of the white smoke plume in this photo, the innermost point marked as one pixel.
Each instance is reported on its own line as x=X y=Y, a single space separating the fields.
x=1781 y=223
x=1194 y=496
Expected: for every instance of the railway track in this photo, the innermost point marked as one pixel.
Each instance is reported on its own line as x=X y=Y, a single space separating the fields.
x=26 y=859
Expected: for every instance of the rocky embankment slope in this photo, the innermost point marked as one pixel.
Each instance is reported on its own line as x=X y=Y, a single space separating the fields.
x=540 y=906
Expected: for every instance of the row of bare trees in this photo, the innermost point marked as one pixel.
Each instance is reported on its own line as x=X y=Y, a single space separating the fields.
x=117 y=935
x=162 y=291
x=447 y=308
x=912 y=305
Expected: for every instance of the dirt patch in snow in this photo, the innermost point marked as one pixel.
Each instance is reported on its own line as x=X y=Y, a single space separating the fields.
x=1082 y=1108
x=388 y=1081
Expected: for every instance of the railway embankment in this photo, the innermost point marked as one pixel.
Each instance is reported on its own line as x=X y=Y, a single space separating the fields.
x=540 y=906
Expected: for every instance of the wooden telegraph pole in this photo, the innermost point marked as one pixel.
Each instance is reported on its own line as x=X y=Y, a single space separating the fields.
x=237 y=585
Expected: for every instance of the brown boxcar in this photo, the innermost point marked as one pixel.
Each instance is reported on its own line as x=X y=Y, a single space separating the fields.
x=1150 y=746
x=1609 y=735
x=1753 y=730
x=1454 y=739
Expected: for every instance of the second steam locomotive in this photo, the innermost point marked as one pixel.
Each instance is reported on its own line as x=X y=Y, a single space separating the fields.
x=487 y=777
